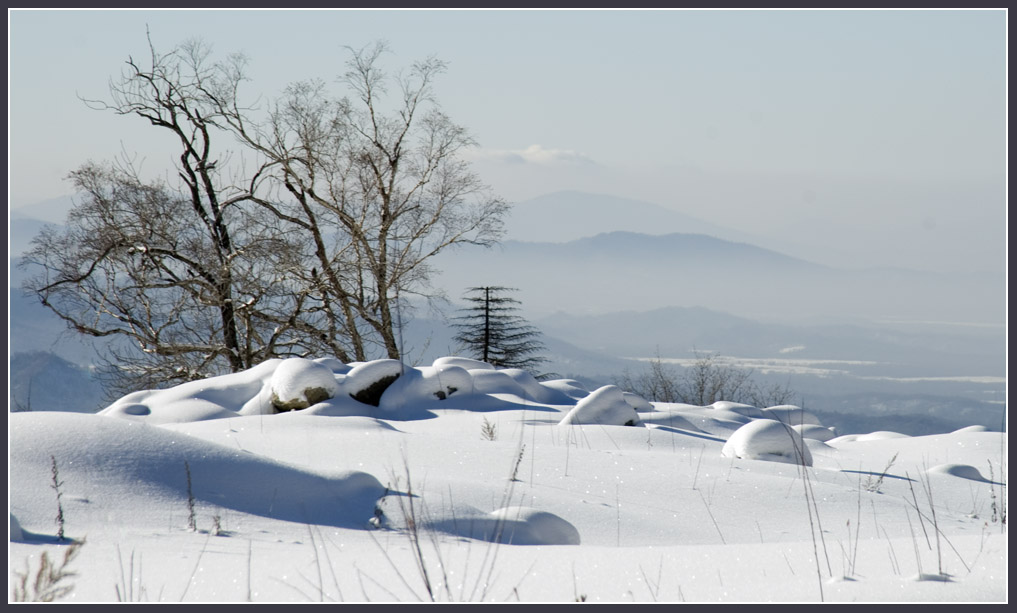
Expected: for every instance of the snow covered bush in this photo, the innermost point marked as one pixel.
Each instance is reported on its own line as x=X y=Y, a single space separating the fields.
x=298 y=383
x=607 y=406
x=769 y=440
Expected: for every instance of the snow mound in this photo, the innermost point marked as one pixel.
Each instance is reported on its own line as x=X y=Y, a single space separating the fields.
x=880 y=435
x=298 y=383
x=529 y=526
x=132 y=471
x=814 y=432
x=510 y=526
x=769 y=440
x=337 y=366
x=241 y=393
x=790 y=415
x=964 y=471
x=569 y=387
x=464 y=363
x=971 y=429
x=736 y=407
x=533 y=390
x=495 y=382
x=668 y=419
x=607 y=406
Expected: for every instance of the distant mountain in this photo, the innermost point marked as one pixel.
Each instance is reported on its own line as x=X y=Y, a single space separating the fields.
x=53 y=210
x=34 y=328
x=42 y=381
x=620 y=271
x=570 y=215
x=22 y=233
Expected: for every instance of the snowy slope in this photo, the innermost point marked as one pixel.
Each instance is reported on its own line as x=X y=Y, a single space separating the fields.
x=507 y=489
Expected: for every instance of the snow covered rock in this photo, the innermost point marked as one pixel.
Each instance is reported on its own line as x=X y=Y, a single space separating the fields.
x=606 y=405
x=367 y=381
x=298 y=383
x=424 y=384
x=769 y=440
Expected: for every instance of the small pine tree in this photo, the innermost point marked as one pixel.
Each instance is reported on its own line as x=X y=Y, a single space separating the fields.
x=492 y=331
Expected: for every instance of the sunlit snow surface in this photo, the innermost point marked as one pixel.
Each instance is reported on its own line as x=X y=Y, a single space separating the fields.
x=457 y=481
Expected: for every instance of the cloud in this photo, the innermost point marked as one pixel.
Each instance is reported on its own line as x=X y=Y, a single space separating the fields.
x=534 y=154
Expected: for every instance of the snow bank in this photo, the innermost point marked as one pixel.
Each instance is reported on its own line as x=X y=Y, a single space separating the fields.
x=607 y=406
x=769 y=440
x=123 y=470
x=219 y=397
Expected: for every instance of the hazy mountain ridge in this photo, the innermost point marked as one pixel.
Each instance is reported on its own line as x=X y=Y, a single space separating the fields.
x=43 y=381
x=621 y=271
x=570 y=215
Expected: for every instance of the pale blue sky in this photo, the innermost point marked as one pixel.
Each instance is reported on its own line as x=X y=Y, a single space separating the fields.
x=754 y=119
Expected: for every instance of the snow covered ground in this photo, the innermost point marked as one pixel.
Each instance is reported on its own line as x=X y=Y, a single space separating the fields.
x=458 y=482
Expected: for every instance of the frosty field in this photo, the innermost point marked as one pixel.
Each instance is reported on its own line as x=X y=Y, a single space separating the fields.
x=466 y=483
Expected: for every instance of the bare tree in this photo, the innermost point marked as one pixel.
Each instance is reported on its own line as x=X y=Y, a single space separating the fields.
x=378 y=193
x=301 y=244
x=705 y=381
x=189 y=277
